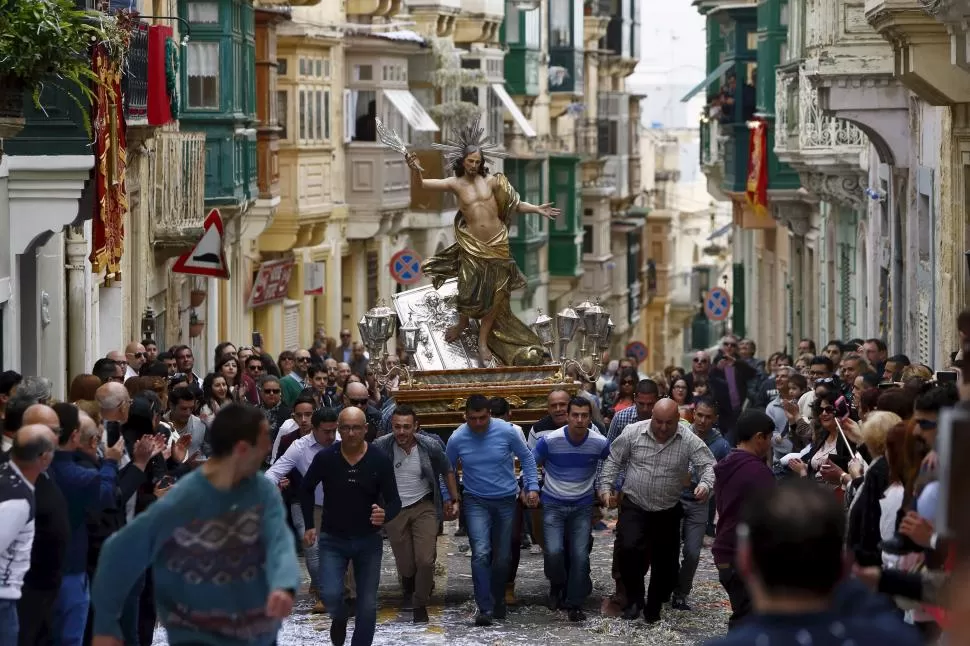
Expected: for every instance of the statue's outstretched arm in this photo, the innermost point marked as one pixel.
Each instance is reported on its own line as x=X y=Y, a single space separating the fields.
x=417 y=177
x=547 y=210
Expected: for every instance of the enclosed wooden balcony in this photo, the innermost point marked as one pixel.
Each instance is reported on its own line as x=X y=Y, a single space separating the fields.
x=378 y=179
x=178 y=172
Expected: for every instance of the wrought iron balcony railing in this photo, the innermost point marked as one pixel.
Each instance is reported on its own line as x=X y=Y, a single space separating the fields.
x=134 y=83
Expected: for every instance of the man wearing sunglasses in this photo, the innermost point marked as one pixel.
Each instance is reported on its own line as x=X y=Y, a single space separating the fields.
x=135 y=356
x=356 y=395
x=736 y=374
x=295 y=382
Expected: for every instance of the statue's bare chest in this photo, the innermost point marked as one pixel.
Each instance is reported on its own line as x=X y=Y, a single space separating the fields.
x=476 y=191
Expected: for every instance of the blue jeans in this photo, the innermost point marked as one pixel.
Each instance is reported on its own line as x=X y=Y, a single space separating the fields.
x=568 y=525
x=365 y=553
x=490 y=537
x=693 y=527
x=71 y=610
x=9 y=624
x=309 y=553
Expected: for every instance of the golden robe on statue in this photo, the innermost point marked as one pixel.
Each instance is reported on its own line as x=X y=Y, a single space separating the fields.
x=487 y=275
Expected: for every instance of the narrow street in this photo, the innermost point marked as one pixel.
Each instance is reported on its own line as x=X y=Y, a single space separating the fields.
x=528 y=623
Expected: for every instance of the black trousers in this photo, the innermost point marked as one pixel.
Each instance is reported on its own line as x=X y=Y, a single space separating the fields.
x=737 y=593
x=649 y=540
x=35 y=613
x=146 y=611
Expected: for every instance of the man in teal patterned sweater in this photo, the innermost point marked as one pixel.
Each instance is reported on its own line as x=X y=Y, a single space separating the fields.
x=221 y=553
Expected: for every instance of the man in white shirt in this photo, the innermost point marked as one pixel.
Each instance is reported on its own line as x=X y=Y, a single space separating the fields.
x=31 y=453
x=135 y=356
x=298 y=456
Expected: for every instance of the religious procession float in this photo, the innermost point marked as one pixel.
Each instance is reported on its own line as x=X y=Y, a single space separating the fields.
x=459 y=333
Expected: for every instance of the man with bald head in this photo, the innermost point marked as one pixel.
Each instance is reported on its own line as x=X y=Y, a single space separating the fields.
x=356 y=395
x=656 y=456
x=359 y=496
x=41 y=414
x=31 y=453
x=136 y=356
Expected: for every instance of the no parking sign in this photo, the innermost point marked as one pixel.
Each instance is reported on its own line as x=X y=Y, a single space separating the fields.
x=405 y=267
x=637 y=350
x=717 y=305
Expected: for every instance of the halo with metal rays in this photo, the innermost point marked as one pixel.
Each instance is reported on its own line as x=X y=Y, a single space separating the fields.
x=471 y=134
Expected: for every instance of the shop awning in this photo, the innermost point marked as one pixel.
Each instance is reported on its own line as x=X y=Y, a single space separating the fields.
x=410 y=108
x=713 y=76
x=513 y=109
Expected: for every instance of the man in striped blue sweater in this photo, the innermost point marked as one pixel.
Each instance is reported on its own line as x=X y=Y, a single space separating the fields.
x=571 y=456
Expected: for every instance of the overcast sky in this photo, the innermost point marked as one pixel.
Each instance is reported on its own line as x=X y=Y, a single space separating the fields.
x=672 y=44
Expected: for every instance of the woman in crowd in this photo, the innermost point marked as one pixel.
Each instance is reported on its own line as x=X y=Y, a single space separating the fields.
x=215 y=395
x=228 y=367
x=622 y=397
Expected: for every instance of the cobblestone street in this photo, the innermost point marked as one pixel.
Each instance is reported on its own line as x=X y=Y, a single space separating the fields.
x=529 y=622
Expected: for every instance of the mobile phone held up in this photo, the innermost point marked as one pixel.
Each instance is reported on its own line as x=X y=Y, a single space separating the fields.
x=257 y=340
x=946 y=377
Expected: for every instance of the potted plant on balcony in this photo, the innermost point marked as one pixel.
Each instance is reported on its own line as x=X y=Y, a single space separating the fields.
x=195 y=325
x=449 y=77
x=50 y=39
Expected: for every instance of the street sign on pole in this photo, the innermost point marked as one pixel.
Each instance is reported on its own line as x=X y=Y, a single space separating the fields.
x=717 y=305
x=207 y=257
x=637 y=350
x=405 y=267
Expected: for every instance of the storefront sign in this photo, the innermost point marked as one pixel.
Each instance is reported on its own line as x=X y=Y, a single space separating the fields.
x=272 y=282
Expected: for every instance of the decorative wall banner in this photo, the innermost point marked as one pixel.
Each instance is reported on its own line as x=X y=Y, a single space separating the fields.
x=111 y=161
x=756 y=190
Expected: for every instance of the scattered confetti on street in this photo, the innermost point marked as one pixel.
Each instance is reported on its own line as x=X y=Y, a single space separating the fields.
x=529 y=623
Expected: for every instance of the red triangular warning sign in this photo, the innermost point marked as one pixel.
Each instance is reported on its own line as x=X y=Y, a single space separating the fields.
x=207 y=257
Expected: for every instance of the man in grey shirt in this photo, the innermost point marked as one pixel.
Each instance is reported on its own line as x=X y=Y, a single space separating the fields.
x=656 y=456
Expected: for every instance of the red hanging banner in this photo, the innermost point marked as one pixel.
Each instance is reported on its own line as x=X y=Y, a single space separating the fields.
x=756 y=189
x=111 y=161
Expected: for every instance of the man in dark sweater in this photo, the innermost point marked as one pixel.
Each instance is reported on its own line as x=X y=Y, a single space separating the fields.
x=740 y=474
x=359 y=496
x=790 y=554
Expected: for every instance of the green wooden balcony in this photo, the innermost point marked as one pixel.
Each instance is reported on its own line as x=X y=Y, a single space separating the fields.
x=522 y=71
x=570 y=62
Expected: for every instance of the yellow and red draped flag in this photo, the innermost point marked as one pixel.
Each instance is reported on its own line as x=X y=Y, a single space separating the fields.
x=756 y=189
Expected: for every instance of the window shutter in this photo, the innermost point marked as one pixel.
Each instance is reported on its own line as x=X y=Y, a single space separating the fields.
x=350 y=123
x=291 y=325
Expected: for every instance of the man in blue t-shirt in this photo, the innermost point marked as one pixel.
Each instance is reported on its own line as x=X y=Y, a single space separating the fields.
x=791 y=556
x=485 y=446
x=571 y=456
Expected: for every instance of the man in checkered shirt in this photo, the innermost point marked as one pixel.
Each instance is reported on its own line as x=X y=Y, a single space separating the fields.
x=655 y=456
